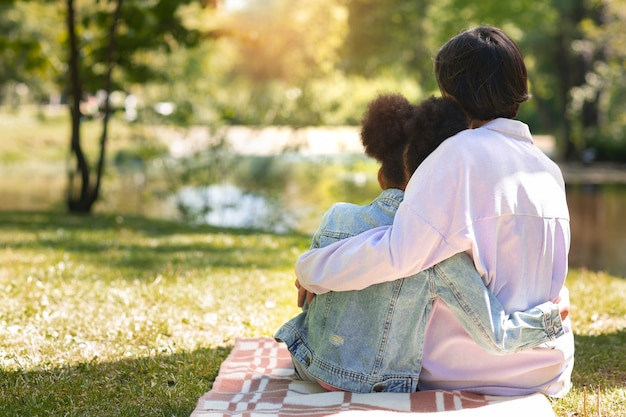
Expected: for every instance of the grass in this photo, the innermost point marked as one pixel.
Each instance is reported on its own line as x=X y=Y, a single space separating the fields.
x=105 y=315
x=109 y=315
x=43 y=135
x=599 y=318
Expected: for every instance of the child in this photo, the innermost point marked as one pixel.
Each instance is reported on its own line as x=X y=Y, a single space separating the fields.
x=357 y=340
x=488 y=192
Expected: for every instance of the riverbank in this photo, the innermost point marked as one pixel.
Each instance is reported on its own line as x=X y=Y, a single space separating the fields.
x=594 y=173
x=342 y=140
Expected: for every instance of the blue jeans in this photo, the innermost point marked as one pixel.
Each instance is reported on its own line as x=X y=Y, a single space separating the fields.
x=372 y=340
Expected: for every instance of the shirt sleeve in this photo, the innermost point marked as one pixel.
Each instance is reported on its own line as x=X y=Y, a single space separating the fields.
x=425 y=231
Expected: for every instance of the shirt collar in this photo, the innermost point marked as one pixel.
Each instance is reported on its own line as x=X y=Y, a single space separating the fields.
x=510 y=127
x=392 y=193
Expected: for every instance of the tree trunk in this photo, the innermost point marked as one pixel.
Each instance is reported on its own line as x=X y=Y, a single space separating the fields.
x=87 y=194
x=82 y=202
x=107 y=89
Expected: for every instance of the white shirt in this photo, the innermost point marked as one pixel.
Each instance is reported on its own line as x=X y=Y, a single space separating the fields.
x=491 y=193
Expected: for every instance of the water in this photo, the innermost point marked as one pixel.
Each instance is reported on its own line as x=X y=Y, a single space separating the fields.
x=596 y=211
x=598 y=227
x=226 y=205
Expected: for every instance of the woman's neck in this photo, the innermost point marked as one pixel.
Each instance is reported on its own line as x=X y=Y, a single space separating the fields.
x=474 y=123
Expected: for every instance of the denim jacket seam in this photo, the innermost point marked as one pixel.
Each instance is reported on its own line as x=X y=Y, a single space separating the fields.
x=332 y=234
x=358 y=377
x=380 y=355
x=389 y=202
x=327 y=309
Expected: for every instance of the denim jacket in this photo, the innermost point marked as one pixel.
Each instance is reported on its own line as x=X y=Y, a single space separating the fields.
x=372 y=340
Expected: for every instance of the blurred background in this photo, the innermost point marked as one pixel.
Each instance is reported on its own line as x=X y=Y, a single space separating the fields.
x=245 y=113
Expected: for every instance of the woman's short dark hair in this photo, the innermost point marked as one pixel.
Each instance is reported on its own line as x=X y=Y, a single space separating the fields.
x=484 y=70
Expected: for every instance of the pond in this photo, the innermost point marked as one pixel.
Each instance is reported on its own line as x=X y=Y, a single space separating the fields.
x=596 y=211
x=598 y=227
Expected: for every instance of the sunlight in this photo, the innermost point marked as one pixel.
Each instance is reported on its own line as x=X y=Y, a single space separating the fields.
x=235 y=5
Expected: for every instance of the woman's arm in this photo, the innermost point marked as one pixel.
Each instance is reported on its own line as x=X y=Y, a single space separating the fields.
x=378 y=255
x=427 y=229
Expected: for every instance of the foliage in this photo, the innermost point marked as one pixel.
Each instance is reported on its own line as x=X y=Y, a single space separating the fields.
x=287 y=40
x=30 y=58
x=281 y=47
x=394 y=37
x=161 y=30
x=111 y=315
x=318 y=62
x=606 y=81
x=396 y=41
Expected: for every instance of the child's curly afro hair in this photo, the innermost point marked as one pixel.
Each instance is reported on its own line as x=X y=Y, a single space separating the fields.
x=435 y=120
x=401 y=135
x=384 y=134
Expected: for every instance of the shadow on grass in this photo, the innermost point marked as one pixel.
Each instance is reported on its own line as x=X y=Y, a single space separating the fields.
x=600 y=360
x=159 y=385
x=54 y=220
x=171 y=384
x=139 y=246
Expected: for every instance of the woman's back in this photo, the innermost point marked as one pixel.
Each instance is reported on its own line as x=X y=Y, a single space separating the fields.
x=509 y=213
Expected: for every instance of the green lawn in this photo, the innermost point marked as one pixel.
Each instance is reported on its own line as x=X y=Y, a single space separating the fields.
x=112 y=316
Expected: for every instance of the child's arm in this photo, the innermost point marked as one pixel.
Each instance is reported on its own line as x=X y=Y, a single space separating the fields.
x=483 y=316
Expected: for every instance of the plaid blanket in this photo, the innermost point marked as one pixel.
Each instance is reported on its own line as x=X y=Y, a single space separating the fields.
x=257 y=380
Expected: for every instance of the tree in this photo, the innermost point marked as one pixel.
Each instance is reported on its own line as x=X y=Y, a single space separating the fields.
x=389 y=36
x=604 y=83
x=566 y=56
x=88 y=193
x=118 y=32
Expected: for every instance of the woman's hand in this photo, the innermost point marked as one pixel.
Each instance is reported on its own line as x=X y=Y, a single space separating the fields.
x=303 y=294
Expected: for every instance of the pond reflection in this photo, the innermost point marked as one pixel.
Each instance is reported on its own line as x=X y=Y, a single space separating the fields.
x=226 y=205
x=598 y=227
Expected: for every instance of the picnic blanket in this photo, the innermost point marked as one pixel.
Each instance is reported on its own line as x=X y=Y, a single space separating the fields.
x=257 y=380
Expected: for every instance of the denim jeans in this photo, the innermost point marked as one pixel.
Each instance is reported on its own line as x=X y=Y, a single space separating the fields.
x=372 y=339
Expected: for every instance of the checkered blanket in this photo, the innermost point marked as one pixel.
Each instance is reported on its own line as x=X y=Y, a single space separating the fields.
x=257 y=380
